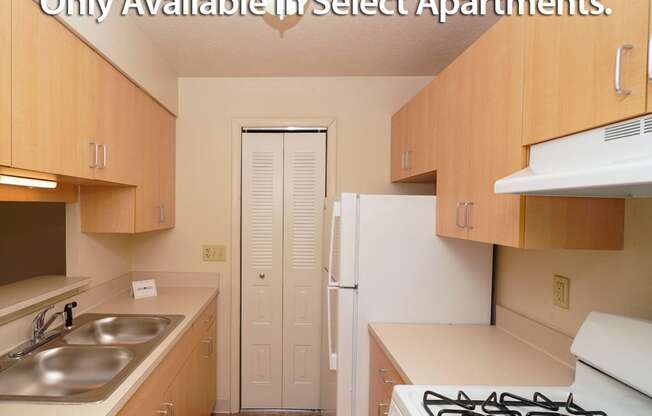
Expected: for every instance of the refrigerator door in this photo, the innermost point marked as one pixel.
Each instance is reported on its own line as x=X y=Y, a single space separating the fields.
x=339 y=312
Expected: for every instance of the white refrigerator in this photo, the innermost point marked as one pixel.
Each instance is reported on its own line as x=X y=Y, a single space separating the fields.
x=385 y=264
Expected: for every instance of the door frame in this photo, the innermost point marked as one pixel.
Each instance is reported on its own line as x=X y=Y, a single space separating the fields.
x=332 y=188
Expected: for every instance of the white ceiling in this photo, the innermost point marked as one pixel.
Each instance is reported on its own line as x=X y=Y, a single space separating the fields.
x=246 y=46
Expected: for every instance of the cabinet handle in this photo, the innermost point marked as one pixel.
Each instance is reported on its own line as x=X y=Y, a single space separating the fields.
x=403 y=160
x=457 y=214
x=161 y=214
x=618 y=72
x=105 y=155
x=209 y=343
x=381 y=373
x=95 y=158
x=467 y=215
x=170 y=407
x=381 y=406
x=407 y=159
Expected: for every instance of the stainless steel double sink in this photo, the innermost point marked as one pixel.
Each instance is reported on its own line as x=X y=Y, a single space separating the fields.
x=86 y=363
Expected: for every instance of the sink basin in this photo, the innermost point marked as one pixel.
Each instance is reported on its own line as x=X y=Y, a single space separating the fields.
x=64 y=371
x=114 y=330
x=87 y=363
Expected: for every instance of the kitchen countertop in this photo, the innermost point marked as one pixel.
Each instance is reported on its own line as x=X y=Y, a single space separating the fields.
x=467 y=355
x=170 y=301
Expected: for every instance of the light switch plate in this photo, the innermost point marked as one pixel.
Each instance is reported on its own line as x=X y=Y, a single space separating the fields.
x=561 y=291
x=213 y=252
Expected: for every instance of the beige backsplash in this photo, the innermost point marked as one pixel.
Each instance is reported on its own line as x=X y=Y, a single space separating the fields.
x=15 y=332
x=613 y=282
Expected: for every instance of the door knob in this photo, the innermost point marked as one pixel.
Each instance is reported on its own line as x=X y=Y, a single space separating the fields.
x=261 y=275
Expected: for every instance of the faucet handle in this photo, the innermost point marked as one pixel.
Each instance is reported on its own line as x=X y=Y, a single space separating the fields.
x=39 y=322
x=39 y=319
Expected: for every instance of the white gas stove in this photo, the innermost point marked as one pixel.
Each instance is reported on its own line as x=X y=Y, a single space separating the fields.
x=613 y=378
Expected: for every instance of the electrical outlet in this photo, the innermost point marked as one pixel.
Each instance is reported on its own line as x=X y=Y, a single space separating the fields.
x=213 y=253
x=561 y=291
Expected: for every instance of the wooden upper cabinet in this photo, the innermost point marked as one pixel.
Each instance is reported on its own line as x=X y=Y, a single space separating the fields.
x=155 y=207
x=5 y=84
x=649 y=80
x=399 y=144
x=117 y=126
x=453 y=148
x=495 y=77
x=54 y=79
x=421 y=132
x=167 y=169
x=413 y=139
x=570 y=70
x=479 y=141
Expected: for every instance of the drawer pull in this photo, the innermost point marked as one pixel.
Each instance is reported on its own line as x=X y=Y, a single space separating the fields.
x=209 y=343
x=382 y=406
x=170 y=410
x=382 y=373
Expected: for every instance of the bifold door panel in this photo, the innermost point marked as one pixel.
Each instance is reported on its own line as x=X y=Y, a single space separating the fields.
x=262 y=270
x=283 y=186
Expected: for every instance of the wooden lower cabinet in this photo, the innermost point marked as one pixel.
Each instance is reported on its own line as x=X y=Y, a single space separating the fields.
x=383 y=376
x=184 y=383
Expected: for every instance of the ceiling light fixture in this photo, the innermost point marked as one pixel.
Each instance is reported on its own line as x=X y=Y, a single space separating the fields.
x=19 y=177
x=283 y=15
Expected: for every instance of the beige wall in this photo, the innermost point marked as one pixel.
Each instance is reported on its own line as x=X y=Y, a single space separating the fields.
x=126 y=46
x=615 y=282
x=362 y=109
x=101 y=257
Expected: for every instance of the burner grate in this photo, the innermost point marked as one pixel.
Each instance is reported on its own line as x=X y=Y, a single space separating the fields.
x=503 y=405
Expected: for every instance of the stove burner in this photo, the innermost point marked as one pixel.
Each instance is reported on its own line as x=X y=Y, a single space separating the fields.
x=503 y=405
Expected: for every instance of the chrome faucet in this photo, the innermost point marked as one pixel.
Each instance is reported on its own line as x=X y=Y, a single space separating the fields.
x=40 y=325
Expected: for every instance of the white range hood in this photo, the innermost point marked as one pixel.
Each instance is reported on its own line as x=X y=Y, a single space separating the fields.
x=612 y=162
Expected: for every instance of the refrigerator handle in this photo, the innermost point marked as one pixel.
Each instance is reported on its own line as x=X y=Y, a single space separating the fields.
x=336 y=214
x=332 y=356
x=332 y=286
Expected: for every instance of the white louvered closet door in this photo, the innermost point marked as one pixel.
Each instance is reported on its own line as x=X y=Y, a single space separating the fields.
x=262 y=270
x=304 y=189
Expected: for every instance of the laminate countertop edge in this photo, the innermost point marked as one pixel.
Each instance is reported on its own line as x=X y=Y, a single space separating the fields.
x=189 y=302
x=427 y=354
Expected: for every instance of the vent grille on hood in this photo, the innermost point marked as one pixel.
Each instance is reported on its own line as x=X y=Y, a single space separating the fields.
x=622 y=130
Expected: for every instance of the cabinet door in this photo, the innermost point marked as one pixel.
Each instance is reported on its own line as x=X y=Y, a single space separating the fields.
x=5 y=84
x=453 y=147
x=496 y=131
x=116 y=124
x=420 y=144
x=148 y=210
x=207 y=373
x=570 y=70
x=166 y=146
x=55 y=79
x=399 y=144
